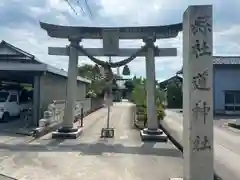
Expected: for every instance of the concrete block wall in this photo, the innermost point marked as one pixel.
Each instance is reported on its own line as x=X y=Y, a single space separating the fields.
x=81 y=91
x=53 y=87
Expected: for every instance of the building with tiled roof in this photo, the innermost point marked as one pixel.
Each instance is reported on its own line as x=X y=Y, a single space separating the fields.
x=226 y=84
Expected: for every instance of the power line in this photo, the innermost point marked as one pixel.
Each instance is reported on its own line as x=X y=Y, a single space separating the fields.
x=82 y=9
x=73 y=9
x=80 y=6
x=88 y=7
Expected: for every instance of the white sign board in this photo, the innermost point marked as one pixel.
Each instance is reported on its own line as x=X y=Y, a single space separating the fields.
x=108 y=100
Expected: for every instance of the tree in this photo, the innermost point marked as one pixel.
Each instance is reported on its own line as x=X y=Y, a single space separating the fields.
x=88 y=71
x=159 y=96
x=129 y=85
x=139 y=97
x=92 y=72
x=99 y=84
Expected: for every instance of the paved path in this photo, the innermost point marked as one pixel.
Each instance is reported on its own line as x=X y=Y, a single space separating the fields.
x=90 y=158
x=226 y=144
x=9 y=139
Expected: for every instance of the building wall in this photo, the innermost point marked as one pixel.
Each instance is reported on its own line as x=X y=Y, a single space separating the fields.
x=53 y=87
x=225 y=78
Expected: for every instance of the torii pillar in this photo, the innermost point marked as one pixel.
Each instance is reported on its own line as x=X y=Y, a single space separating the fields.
x=152 y=132
x=67 y=130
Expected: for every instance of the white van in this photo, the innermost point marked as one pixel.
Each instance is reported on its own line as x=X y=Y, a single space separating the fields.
x=10 y=105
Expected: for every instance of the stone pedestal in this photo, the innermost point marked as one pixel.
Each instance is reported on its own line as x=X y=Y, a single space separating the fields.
x=107 y=133
x=152 y=132
x=156 y=135
x=67 y=133
x=197 y=94
x=67 y=130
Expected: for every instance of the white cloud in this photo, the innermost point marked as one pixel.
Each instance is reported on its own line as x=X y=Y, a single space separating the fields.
x=32 y=39
x=38 y=11
x=58 y=5
x=134 y=12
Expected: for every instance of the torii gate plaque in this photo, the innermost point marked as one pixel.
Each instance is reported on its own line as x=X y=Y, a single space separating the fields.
x=111 y=38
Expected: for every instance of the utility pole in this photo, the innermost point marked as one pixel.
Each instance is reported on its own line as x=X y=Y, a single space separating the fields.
x=110 y=96
x=108 y=132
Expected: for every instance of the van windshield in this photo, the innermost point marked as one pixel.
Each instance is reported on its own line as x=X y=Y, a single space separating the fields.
x=3 y=96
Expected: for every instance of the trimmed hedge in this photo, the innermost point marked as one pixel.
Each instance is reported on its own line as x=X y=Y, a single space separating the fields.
x=142 y=111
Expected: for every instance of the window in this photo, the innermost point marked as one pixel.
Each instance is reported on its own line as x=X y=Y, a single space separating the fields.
x=229 y=108
x=237 y=98
x=237 y=108
x=229 y=98
x=4 y=96
x=232 y=100
x=13 y=98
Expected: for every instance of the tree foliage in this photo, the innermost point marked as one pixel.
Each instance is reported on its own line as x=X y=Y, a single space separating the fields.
x=139 y=97
x=129 y=85
x=92 y=72
x=99 y=84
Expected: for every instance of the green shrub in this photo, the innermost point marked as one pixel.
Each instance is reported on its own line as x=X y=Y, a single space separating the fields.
x=142 y=110
x=160 y=112
x=91 y=94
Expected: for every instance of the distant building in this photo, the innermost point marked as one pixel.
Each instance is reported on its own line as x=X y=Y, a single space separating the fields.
x=48 y=83
x=170 y=100
x=226 y=84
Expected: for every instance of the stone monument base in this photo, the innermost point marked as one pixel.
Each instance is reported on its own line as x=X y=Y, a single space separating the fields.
x=156 y=135
x=67 y=133
x=107 y=133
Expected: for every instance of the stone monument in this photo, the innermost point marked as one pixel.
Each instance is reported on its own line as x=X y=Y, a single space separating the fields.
x=197 y=94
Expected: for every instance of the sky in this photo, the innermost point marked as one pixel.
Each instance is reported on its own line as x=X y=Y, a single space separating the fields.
x=19 y=25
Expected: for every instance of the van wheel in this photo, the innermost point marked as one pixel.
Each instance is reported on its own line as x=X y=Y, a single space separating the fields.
x=5 y=116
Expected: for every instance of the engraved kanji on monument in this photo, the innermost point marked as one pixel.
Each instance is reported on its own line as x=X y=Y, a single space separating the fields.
x=197 y=93
x=200 y=81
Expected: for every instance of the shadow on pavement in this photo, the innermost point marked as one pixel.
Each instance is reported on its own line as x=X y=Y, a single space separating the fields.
x=15 y=126
x=4 y=177
x=93 y=149
x=10 y=134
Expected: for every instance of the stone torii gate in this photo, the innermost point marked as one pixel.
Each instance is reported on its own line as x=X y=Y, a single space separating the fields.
x=110 y=37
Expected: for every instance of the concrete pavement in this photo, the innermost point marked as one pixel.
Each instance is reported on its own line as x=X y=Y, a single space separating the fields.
x=91 y=158
x=226 y=144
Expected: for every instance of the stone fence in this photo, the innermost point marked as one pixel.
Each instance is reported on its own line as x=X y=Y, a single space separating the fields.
x=53 y=116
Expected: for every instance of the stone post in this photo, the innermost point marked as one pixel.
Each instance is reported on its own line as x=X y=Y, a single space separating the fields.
x=197 y=93
x=151 y=86
x=36 y=100
x=71 y=87
x=67 y=130
x=152 y=132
